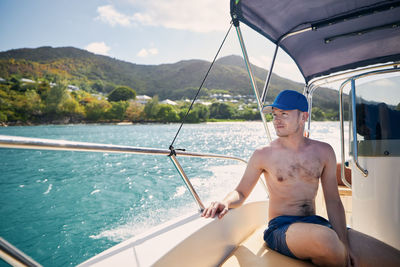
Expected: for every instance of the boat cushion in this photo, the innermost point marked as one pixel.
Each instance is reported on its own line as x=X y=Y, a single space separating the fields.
x=254 y=252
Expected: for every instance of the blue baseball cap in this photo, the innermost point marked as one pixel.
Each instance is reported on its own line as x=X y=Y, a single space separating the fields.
x=288 y=100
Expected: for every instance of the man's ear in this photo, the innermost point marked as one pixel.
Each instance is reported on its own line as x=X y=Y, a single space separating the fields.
x=304 y=116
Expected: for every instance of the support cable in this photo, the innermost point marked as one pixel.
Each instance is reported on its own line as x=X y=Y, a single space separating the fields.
x=171 y=147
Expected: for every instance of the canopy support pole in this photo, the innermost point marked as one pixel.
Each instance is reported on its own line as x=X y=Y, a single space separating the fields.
x=265 y=91
x=309 y=95
x=252 y=80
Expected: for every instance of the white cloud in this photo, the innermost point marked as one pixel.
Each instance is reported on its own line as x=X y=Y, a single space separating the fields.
x=192 y=15
x=98 y=48
x=109 y=15
x=147 y=52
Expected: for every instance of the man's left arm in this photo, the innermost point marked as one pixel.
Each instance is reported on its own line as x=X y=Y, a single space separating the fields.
x=333 y=203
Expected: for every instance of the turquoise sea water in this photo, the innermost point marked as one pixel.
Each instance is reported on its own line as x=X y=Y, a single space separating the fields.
x=62 y=208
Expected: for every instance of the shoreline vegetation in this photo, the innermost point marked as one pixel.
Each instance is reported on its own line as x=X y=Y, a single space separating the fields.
x=43 y=102
x=67 y=85
x=121 y=123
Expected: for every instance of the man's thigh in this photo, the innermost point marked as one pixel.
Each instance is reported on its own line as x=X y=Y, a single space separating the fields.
x=309 y=241
x=372 y=252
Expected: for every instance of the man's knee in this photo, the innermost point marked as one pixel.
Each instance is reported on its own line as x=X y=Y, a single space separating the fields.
x=318 y=243
x=330 y=251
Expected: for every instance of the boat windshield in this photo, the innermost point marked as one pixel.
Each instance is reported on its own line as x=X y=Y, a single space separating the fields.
x=378 y=115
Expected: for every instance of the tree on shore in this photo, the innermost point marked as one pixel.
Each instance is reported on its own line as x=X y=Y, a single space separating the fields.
x=97 y=109
x=151 y=108
x=134 y=112
x=117 y=110
x=167 y=113
x=221 y=111
x=53 y=101
x=122 y=93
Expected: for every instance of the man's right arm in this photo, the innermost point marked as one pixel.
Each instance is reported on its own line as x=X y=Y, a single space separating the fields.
x=236 y=198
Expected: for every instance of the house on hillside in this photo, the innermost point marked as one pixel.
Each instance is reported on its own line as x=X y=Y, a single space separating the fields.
x=205 y=103
x=24 y=80
x=169 y=102
x=142 y=99
x=72 y=88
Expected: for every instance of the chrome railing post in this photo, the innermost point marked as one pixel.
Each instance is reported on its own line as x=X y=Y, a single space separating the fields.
x=186 y=181
x=252 y=80
x=355 y=144
x=342 y=173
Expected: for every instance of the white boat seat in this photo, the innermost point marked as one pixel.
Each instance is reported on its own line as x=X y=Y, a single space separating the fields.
x=254 y=252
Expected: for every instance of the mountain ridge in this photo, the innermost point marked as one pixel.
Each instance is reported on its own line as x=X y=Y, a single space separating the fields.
x=177 y=80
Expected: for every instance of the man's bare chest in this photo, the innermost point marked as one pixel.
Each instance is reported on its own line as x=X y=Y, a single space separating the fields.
x=295 y=168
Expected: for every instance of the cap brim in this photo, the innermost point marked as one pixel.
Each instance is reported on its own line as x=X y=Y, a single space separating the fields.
x=268 y=109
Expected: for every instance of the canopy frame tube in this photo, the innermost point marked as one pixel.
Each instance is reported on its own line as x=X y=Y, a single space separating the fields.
x=261 y=101
x=252 y=80
x=318 y=82
x=267 y=81
x=309 y=96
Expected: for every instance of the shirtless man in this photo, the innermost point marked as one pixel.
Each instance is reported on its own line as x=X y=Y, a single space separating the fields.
x=293 y=166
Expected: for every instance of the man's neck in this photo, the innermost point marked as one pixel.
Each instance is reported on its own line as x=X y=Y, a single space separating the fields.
x=293 y=142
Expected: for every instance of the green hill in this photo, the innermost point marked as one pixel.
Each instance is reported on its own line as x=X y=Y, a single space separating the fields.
x=93 y=72
x=39 y=103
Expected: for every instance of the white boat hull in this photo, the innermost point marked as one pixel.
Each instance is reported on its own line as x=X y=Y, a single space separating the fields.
x=203 y=242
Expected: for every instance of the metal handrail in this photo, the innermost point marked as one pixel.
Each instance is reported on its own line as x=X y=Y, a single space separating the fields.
x=51 y=144
x=355 y=148
x=63 y=145
x=342 y=173
x=14 y=256
x=355 y=143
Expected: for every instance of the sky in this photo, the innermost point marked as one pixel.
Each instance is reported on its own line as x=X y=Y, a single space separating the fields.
x=147 y=32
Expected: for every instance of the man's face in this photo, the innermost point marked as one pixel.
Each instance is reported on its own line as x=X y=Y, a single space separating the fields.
x=287 y=122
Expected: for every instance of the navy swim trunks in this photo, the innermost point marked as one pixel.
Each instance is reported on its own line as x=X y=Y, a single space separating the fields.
x=275 y=234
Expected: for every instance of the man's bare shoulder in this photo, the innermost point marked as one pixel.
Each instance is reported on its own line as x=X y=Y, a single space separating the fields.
x=265 y=152
x=322 y=148
x=267 y=149
x=318 y=143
